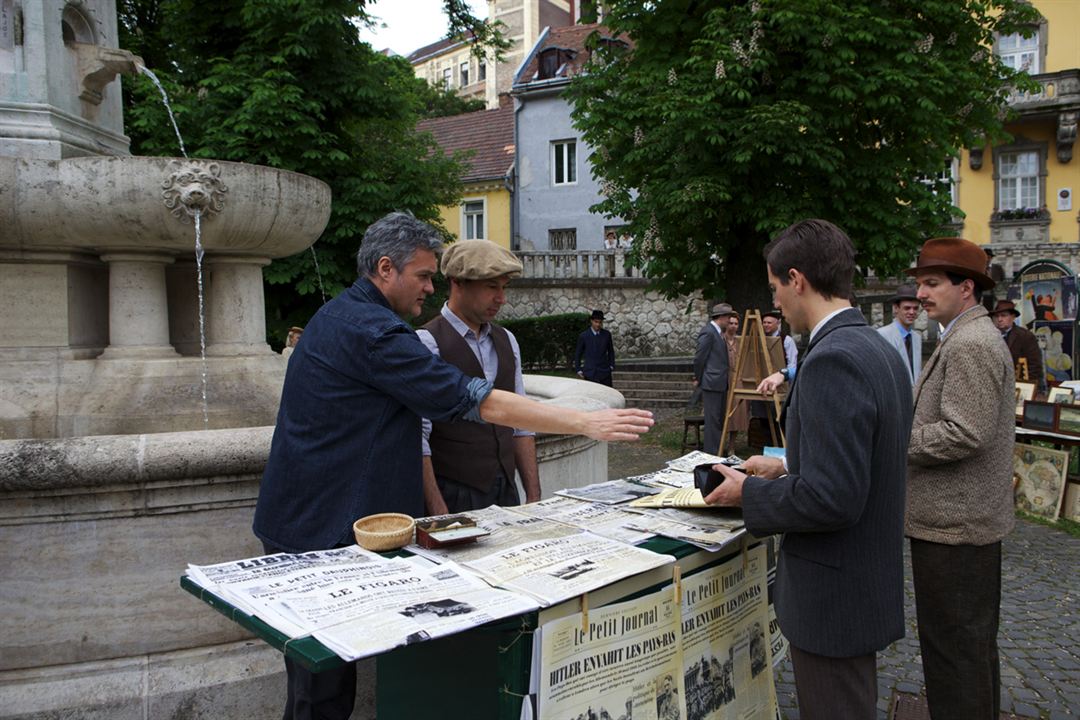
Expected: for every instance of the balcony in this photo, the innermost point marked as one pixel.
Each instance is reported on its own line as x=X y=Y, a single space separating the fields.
x=581 y=266
x=1057 y=98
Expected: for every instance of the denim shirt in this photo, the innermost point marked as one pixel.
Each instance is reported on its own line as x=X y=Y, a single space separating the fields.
x=347 y=440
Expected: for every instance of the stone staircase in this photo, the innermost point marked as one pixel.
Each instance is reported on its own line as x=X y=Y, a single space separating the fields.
x=655 y=384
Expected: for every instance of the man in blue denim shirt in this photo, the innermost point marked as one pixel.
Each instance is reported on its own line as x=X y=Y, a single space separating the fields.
x=347 y=441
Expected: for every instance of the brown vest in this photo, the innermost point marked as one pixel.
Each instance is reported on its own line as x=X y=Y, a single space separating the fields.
x=467 y=452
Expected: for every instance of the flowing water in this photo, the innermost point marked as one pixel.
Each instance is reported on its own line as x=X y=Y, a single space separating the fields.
x=202 y=314
x=318 y=274
x=165 y=99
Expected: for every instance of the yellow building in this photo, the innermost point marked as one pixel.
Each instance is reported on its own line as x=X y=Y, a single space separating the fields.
x=1021 y=194
x=488 y=135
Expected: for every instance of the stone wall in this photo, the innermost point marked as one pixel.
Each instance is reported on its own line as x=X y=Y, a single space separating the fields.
x=642 y=322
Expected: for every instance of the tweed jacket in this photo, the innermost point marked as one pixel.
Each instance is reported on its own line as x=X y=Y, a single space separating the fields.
x=840 y=577
x=1022 y=344
x=891 y=332
x=960 y=459
x=711 y=359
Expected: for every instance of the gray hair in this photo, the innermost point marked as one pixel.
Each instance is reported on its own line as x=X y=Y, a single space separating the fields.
x=397 y=236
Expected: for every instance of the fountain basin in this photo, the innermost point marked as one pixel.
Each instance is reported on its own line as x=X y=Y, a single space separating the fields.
x=136 y=204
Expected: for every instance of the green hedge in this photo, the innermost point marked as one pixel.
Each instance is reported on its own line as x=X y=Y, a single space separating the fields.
x=547 y=342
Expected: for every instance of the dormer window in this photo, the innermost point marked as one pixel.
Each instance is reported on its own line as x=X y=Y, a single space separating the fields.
x=551 y=61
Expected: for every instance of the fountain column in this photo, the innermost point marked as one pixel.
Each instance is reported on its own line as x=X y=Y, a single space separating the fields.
x=138 y=306
x=235 y=312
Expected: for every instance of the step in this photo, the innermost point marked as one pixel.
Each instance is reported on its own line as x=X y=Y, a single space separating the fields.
x=653 y=393
x=668 y=376
x=657 y=384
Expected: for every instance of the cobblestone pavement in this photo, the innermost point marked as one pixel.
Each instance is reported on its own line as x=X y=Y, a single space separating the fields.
x=1039 y=637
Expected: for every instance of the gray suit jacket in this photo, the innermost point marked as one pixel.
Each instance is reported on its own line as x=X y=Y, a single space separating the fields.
x=840 y=576
x=891 y=332
x=711 y=360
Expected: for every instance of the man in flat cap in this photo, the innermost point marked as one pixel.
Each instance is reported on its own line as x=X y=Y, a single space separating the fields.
x=468 y=466
x=901 y=331
x=594 y=356
x=711 y=371
x=1026 y=354
x=959 y=489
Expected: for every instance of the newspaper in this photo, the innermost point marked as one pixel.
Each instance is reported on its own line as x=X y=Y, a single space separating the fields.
x=508 y=529
x=665 y=477
x=398 y=605
x=218 y=578
x=624 y=663
x=688 y=462
x=556 y=569
x=726 y=647
x=711 y=538
x=611 y=492
x=689 y=497
x=604 y=520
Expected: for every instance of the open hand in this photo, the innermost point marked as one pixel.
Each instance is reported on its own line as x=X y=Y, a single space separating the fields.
x=620 y=424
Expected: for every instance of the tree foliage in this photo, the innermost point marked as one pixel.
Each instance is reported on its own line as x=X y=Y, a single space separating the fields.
x=719 y=123
x=288 y=83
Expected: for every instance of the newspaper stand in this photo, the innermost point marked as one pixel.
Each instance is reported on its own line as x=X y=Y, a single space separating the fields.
x=484 y=670
x=757 y=359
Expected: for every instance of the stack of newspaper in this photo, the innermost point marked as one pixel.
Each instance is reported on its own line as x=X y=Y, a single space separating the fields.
x=358 y=603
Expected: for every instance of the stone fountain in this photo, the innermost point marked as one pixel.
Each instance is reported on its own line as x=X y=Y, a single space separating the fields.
x=113 y=473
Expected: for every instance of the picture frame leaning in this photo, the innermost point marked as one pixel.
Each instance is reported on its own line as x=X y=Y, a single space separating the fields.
x=1040 y=416
x=1040 y=479
x=1024 y=391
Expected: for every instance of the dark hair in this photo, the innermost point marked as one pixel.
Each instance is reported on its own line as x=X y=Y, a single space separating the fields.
x=397 y=236
x=957 y=279
x=820 y=251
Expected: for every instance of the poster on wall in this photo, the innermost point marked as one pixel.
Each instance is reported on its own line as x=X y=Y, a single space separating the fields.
x=1068 y=297
x=1056 y=340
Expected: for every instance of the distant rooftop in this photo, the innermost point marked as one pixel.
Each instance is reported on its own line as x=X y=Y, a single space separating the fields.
x=437 y=47
x=490 y=133
x=561 y=53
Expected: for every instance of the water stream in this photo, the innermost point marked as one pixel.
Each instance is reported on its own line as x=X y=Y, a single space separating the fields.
x=202 y=315
x=318 y=274
x=165 y=99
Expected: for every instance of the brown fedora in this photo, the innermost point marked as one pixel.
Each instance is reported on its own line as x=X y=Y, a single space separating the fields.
x=1005 y=306
x=955 y=255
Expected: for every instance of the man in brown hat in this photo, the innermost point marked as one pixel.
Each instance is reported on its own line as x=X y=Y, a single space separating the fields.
x=959 y=494
x=468 y=466
x=1024 y=348
x=901 y=331
x=711 y=373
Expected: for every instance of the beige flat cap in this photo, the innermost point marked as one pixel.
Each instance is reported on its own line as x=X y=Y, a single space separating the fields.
x=478 y=260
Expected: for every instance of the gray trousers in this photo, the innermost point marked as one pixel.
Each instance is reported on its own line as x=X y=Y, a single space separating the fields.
x=715 y=405
x=835 y=688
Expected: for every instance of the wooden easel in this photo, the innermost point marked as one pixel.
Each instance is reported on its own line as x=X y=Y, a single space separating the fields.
x=752 y=365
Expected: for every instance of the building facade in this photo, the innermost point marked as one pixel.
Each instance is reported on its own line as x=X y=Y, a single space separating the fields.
x=555 y=184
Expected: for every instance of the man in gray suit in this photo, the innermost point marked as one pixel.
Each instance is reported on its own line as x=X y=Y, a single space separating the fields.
x=840 y=499
x=711 y=369
x=901 y=331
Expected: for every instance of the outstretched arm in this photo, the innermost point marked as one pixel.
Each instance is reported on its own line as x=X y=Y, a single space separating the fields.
x=513 y=410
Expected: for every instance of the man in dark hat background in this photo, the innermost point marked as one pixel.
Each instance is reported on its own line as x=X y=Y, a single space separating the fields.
x=469 y=466
x=711 y=370
x=1024 y=348
x=959 y=492
x=594 y=356
x=770 y=323
x=901 y=331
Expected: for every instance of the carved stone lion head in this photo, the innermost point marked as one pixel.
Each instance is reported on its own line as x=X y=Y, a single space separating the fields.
x=194 y=186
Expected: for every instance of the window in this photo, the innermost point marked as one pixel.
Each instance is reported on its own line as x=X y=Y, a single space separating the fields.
x=1019 y=52
x=564 y=162
x=1018 y=180
x=472 y=220
x=481 y=71
x=448 y=78
x=949 y=176
x=562 y=239
x=464 y=74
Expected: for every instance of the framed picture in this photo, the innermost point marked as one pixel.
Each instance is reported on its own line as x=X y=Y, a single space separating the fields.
x=1024 y=391
x=1040 y=416
x=1068 y=422
x=1060 y=395
x=1040 y=474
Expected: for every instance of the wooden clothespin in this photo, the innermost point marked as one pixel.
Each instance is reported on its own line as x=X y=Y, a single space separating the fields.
x=676 y=583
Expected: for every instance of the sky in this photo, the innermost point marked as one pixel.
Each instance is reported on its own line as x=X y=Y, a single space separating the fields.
x=410 y=24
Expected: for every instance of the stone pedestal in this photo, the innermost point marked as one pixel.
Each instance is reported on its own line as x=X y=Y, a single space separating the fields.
x=138 y=306
x=236 y=313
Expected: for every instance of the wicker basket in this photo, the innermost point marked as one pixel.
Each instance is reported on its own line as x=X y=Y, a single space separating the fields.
x=385 y=531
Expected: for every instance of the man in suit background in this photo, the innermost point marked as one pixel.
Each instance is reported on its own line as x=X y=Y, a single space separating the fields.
x=594 y=356
x=840 y=499
x=960 y=493
x=469 y=466
x=711 y=370
x=1023 y=346
x=901 y=331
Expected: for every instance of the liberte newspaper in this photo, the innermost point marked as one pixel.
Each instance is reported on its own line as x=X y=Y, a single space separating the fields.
x=726 y=646
x=624 y=662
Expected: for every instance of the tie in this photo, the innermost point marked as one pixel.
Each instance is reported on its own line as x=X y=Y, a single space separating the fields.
x=910 y=361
